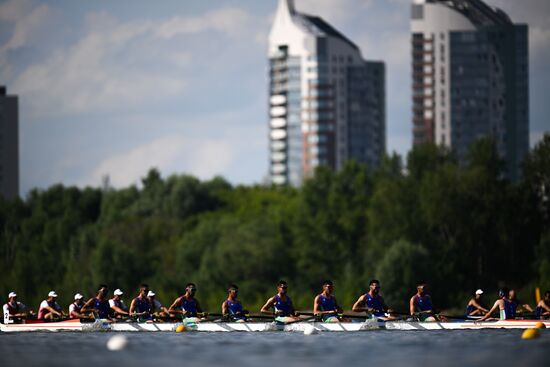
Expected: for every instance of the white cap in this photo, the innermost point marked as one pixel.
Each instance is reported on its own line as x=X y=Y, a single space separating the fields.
x=12 y=294
x=78 y=296
x=479 y=291
x=118 y=292
x=151 y=294
x=52 y=294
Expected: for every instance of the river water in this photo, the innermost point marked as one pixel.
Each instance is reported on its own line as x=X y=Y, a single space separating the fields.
x=380 y=348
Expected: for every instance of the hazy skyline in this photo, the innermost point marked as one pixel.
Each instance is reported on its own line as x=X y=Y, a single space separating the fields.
x=117 y=88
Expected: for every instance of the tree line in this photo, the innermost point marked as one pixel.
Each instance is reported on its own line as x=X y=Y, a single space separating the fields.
x=457 y=226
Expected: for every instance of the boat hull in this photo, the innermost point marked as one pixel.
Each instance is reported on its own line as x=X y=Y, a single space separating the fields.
x=76 y=325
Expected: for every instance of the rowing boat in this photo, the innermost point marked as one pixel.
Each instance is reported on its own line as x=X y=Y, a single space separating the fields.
x=100 y=325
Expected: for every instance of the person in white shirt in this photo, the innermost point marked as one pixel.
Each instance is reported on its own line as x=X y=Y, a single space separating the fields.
x=117 y=304
x=49 y=308
x=13 y=309
x=157 y=308
x=75 y=308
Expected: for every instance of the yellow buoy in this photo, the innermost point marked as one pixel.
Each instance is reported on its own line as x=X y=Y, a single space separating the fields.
x=530 y=334
x=180 y=328
x=540 y=325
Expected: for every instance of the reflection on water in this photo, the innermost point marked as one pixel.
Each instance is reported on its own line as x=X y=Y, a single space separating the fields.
x=371 y=348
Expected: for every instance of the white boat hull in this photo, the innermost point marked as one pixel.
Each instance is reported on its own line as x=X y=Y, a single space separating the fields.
x=76 y=325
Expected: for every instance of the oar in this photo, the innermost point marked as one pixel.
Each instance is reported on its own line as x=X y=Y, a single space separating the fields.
x=295 y=321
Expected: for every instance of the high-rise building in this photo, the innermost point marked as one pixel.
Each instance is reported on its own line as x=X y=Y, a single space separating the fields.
x=470 y=78
x=9 y=146
x=327 y=104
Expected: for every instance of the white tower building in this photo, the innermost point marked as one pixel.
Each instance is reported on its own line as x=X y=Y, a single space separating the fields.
x=327 y=104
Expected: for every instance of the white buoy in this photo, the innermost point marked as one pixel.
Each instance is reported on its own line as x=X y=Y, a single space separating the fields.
x=310 y=330
x=117 y=342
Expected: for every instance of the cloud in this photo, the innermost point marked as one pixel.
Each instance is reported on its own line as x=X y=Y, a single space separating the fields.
x=122 y=66
x=229 y=20
x=25 y=26
x=203 y=158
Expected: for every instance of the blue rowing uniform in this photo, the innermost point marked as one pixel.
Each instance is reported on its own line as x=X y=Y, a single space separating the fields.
x=142 y=305
x=235 y=310
x=102 y=307
x=327 y=304
x=285 y=307
x=375 y=303
x=189 y=306
x=510 y=308
x=469 y=310
x=423 y=303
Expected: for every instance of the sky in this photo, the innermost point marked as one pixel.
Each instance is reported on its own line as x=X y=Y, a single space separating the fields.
x=117 y=87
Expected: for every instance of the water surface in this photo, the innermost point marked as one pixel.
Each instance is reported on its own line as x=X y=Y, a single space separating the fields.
x=380 y=348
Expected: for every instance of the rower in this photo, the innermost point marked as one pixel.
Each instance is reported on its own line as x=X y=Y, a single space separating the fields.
x=232 y=309
x=49 y=308
x=117 y=305
x=543 y=307
x=421 y=304
x=75 y=308
x=13 y=309
x=373 y=303
x=157 y=308
x=99 y=305
x=140 y=306
x=281 y=305
x=325 y=304
x=504 y=305
x=518 y=305
x=187 y=305
x=474 y=308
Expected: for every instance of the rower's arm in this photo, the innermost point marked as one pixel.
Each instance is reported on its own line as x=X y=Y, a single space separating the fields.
x=385 y=307
x=478 y=306
x=338 y=308
x=224 y=308
x=88 y=306
x=53 y=310
x=357 y=306
x=528 y=308
x=199 y=308
x=176 y=303
x=412 y=305
x=119 y=310
x=132 y=306
x=316 y=306
x=493 y=309
x=267 y=307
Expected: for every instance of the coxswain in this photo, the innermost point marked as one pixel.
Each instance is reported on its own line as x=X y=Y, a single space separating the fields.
x=503 y=304
x=99 y=305
x=421 y=305
x=281 y=305
x=325 y=304
x=13 y=309
x=474 y=308
x=187 y=305
x=117 y=305
x=543 y=307
x=75 y=308
x=518 y=305
x=373 y=303
x=232 y=309
x=158 y=310
x=49 y=309
x=140 y=306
